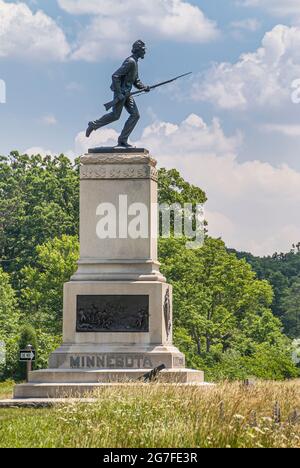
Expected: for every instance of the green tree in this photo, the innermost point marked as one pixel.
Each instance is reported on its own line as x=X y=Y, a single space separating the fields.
x=221 y=305
x=174 y=193
x=9 y=323
x=39 y=201
x=271 y=363
x=290 y=306
x=41 y=296
x=172 y=188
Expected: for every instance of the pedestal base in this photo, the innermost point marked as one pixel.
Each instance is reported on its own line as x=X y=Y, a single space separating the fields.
x=76 y=370
x=69 y=383
x=87 y=357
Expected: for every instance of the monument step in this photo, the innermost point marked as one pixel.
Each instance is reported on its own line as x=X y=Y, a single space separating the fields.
x=111 y=375
x=72 y=383
x=84 y=376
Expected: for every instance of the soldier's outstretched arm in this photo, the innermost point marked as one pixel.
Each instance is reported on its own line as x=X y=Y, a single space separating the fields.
x=139 y=85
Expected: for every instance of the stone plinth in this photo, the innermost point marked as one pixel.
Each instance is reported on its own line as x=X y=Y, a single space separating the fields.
x=124 y=180
x=117 y=322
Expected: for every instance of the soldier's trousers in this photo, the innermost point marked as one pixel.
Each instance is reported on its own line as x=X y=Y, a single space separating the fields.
x=134 y=116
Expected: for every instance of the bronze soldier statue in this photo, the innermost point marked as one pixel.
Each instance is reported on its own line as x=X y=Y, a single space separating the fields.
x=123 y=80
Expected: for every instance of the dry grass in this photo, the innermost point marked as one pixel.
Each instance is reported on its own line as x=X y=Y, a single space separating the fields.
x=227 y=415
x=6 y=389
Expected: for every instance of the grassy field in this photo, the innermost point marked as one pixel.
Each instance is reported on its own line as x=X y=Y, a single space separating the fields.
x=6 y=389
x=228 y=415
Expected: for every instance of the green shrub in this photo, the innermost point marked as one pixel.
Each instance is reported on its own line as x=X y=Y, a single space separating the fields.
x=9 y=326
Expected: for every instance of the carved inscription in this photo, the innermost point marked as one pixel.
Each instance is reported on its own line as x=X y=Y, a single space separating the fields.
x=111 y=361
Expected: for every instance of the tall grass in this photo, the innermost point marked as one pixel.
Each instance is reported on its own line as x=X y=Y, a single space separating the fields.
x=6 y=389
x=227 y=415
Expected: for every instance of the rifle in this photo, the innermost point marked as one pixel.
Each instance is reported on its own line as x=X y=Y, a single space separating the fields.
x=111 y=104
x=152 y=375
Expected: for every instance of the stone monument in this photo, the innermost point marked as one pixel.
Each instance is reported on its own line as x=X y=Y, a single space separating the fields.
x=117 y=322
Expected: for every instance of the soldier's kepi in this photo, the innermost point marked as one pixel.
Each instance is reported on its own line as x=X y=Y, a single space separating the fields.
x=123 y=80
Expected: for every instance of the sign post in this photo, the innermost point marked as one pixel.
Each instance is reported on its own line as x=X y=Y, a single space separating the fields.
x=27 y=355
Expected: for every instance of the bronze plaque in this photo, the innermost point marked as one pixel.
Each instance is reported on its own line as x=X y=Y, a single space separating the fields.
x=114 y=314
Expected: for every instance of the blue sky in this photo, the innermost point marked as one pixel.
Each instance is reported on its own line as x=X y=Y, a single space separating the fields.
x=231 y=128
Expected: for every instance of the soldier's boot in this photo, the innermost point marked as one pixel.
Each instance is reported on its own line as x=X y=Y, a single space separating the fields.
x=90 y=129
x=124 y=144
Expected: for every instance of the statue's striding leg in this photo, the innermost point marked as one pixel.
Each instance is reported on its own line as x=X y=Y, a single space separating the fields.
x=134 y=117
x=106 y=119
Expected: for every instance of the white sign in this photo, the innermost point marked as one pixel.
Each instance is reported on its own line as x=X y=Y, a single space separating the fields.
x=26 y=355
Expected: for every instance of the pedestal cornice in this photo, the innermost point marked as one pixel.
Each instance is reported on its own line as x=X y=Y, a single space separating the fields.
x=114 y=156
x=115 y=164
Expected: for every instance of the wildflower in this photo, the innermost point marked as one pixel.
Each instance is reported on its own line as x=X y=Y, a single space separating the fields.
x=239 y=417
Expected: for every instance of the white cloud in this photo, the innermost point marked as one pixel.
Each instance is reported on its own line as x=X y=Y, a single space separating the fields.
x=75 y=87
x=24 y=34
x=248 y=24
x=115 y=24
x=38 y=150
x=103 y=137
x=259 y=79
x=49 y=120
x=102 y=38
x=194 y=136
x=275 y=7
x=283 y=129
x=112 y=28
x=253 y=206
x=93 y=7
x=43 y=152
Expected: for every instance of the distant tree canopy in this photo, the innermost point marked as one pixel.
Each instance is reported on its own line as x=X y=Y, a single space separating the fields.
x=282 y=271
x=289 y=304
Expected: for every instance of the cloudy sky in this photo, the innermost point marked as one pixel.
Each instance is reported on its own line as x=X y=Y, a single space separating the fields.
x=233 y=128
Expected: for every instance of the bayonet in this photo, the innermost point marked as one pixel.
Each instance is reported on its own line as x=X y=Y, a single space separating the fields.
x=110 y=104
